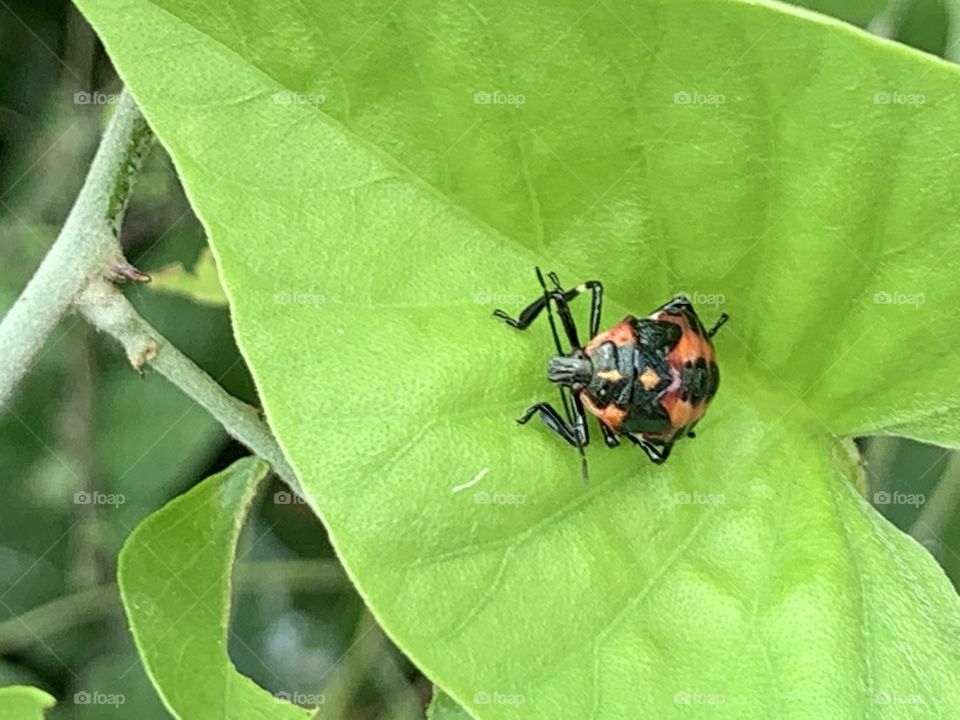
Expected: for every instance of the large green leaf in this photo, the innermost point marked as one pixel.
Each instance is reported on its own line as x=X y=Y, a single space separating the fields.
x=18 y=702
x=175 y=572
x=370 y=181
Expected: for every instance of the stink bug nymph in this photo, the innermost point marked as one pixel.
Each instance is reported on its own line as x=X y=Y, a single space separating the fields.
x=648 y=379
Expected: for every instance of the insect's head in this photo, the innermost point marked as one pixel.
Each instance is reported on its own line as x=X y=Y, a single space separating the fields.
x=573 y=370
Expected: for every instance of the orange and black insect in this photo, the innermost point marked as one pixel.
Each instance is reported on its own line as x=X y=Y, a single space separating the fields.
x=648 y=379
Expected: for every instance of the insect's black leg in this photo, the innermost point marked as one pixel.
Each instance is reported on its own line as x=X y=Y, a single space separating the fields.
x=580 y=419
x=676 y=306
x=576 y=433
x=527 y=315
x=658 y=455
x=560 y=296
x=718 y=324
x=609 y=436
x=566 y=317
x=596 y=298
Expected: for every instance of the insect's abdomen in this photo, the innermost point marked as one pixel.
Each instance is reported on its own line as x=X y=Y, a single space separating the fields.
x=696 y=374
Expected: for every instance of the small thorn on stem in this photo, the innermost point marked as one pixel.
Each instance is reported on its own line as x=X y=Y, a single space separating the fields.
x=123 y=271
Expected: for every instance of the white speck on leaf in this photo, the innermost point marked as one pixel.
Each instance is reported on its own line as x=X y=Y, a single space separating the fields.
x=476 y=478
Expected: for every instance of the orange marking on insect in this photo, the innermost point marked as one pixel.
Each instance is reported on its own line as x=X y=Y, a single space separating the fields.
x=611 y=415
x=682 y=413
x=620 y=334
x=611 y=375
x=649 y=378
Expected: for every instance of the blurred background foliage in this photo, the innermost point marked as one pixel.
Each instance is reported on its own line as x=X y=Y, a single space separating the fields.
x=84 y=421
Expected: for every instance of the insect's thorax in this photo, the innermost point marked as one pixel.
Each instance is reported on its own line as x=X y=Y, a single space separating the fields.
x=623 y=373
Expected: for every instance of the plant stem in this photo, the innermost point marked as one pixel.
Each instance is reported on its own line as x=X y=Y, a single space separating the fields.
x=50 y=618
x=77 y=273
x=86 y=247
x=101 y=601
x=109 y=311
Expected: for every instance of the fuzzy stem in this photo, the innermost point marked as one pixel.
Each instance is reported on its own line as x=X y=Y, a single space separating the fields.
x=76 y=273
x=109 y=311
x=87 y=246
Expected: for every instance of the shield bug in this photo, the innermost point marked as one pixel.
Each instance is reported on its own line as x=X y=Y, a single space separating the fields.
x=649 y=379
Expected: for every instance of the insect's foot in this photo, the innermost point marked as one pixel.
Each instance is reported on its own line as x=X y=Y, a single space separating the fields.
x=523 y=419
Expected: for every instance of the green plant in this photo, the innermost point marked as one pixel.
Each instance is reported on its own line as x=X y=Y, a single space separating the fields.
x=765 y=159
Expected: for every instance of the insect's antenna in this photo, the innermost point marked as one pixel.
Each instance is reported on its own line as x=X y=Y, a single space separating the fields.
x=717 y=325
x=563 y=394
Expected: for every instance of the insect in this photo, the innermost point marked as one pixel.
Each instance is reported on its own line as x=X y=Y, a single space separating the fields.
x=648 y=379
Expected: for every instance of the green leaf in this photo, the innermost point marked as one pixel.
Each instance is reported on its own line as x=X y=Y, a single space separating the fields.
x=395 y=170
x=202 y=284
x=19 y=702
x=442 y=707
x=175 y=573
